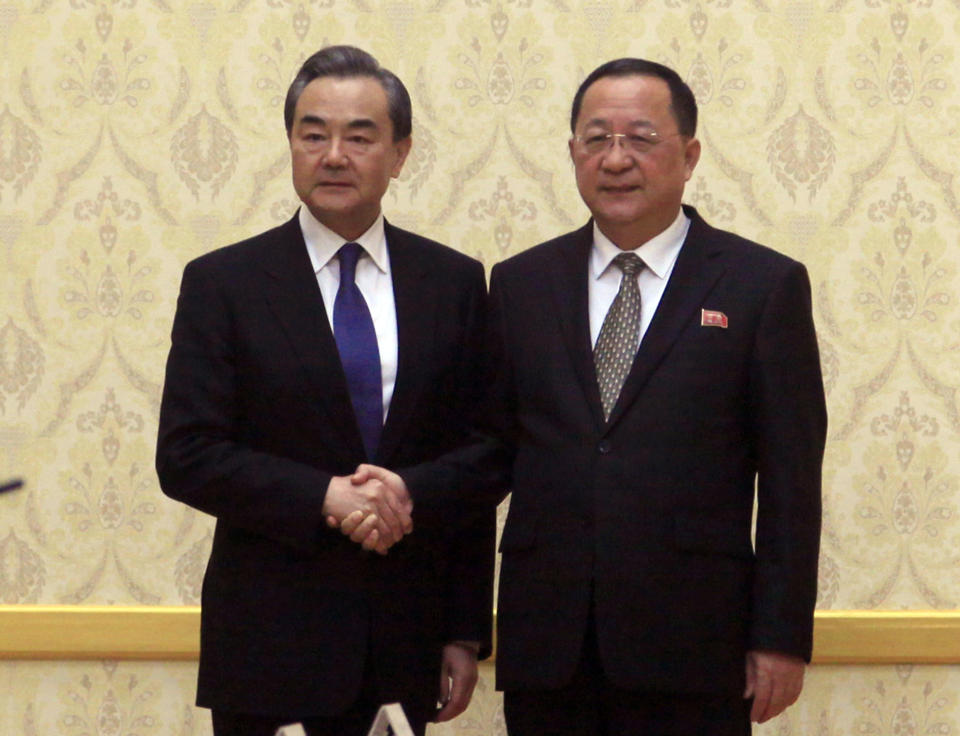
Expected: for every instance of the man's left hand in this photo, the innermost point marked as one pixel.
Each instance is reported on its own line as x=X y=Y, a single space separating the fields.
x=458 y=677
x=774 y=681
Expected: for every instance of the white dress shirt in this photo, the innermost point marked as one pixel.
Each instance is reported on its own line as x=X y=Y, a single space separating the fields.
x=373 y=278
x=659 y=254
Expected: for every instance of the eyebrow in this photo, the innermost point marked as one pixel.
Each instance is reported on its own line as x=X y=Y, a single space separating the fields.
x=603 y=123
x=356 y=124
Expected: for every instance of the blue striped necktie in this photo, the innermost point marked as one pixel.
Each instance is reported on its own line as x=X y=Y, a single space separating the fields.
x=359 y=354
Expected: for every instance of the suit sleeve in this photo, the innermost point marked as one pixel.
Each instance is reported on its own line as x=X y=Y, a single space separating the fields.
x=468 y=591
x=201 y=458
x=477 y=474
x=789 y=420
x=468 y=520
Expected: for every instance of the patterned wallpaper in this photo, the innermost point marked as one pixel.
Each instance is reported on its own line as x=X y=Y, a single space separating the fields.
x=137 y=134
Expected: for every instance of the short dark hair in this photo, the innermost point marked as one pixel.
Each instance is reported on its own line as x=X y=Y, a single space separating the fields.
x=345 y=62
x=683 y=104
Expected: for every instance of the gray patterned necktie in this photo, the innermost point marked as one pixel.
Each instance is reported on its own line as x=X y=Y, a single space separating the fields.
x=620 y=334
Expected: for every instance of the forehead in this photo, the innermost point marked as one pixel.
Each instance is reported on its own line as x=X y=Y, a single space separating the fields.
x=630 y=99
x=343 y=99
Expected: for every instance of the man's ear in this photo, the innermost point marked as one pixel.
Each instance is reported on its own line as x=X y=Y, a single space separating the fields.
x=691 y=155
x=402 y=149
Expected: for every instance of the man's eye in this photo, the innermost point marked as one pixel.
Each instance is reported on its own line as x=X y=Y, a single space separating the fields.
x=596 y=139
x=360 y=140
x=642 y=140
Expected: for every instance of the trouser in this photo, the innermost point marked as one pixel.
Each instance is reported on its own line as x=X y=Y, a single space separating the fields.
x=590 y=705
x=354 y=721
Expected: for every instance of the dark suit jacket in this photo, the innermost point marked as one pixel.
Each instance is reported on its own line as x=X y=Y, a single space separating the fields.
x=649 y=515
x=256 y=418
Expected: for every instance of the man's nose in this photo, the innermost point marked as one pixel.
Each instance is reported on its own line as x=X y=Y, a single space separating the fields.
x=336 y=155
x=617 y=157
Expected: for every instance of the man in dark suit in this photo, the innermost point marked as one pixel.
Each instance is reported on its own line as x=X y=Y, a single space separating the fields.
x=652 y=369
x=649 y=372
x=332 y=340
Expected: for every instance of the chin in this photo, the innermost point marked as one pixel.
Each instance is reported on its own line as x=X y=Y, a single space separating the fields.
x=622 y=217
x=333 y=205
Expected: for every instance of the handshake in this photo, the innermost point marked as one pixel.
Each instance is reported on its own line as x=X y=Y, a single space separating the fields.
x=373 y=507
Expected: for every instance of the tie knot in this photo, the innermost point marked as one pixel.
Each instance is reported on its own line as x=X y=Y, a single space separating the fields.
x=629 y=263
x=349 y=255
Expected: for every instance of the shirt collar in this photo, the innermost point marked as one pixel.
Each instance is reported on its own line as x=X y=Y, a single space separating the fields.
x=323 y=243
x=658 y=253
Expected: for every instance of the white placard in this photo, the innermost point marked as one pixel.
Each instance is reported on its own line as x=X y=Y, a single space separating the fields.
x=293 y=729
x=390 y=721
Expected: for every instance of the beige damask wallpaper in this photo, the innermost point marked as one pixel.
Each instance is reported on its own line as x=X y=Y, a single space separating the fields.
x=137 y=134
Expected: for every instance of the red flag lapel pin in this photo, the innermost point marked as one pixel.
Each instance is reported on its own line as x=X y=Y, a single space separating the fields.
x=711 y=318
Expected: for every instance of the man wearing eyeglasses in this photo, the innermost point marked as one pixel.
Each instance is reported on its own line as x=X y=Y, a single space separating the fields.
x=330 y=341
x=649 y=373
x=649 y=370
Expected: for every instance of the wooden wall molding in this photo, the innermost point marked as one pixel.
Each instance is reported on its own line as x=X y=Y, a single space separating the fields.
x=100 y=632
x=173 y=633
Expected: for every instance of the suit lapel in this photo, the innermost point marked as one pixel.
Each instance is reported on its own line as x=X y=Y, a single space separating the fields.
x=694 y=274
x=415 y=297
x=568 y=276
x=294 y=297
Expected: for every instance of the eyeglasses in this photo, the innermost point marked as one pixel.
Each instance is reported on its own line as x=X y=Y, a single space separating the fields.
x=640 y=142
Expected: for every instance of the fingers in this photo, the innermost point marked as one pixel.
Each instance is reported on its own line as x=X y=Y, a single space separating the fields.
x=457 y=680
x=458 y=698
x=777 y=701
x=392 y=526
x=783 y=693
x=444 y=684
x=751 y=677
x=385 y=494
x=775 y=681
x=450 y=709
x=400 y=511
x=448 y=712
x=372 y=541
x=373 y=498
x=365 y=472
x=761 y=699
x=390 y=479
x=367 y=533
x=361 y=475
x=349 y=525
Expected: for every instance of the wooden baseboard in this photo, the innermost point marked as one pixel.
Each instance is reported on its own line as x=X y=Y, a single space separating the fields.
x=173 y=633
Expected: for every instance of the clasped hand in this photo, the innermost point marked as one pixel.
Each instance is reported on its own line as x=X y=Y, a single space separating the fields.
x=372 y=507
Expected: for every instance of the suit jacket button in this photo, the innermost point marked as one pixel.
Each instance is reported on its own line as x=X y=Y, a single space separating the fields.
x=604 y=447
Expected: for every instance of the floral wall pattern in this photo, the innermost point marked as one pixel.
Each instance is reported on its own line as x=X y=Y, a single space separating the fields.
x=138 y=134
